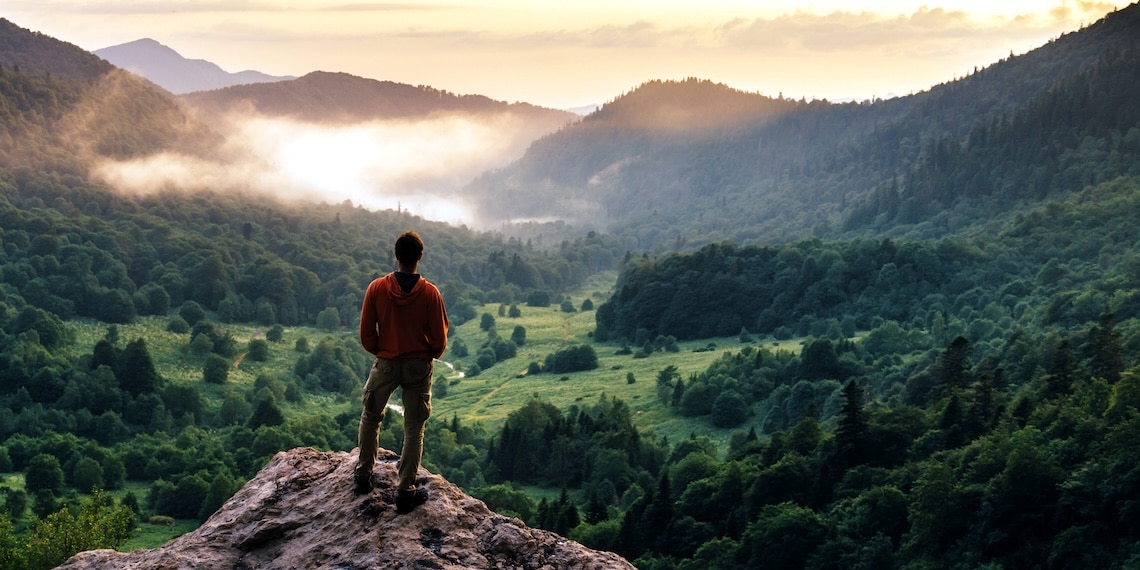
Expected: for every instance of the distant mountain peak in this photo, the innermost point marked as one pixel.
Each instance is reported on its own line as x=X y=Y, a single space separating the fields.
x=168 y=69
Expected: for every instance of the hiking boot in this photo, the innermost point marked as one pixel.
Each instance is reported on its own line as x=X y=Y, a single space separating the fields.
x=362 y=483
x=407 y=501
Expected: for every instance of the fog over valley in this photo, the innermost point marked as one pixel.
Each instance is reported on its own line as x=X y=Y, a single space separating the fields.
x=419 y=165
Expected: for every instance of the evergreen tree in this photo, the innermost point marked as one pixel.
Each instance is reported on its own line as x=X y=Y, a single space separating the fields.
x=982 y=410
x=1107 y=349
x=665 y=379
x=851 y=433
x=518 y=335
x=1062 y=371
x=596 y=509
x=104 y=354
x=658 y=516
x=953 y=366
x=565 y=514
x=136 y=372
x=951 y=422
x=631 y=539
x=266 y=413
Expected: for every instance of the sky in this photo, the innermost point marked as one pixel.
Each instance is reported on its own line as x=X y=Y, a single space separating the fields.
x=579 y=53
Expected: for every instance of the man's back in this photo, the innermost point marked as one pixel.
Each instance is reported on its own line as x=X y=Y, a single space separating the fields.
x=403 y=316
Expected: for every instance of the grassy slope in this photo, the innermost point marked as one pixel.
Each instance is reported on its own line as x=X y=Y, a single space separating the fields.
x=505 y=387
x=488 y=398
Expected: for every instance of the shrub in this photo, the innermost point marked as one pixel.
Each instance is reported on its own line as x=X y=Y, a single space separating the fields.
x=216 y=370
x=191 y=312
x=486 y=322
x=258 y=350
x=538 y=298
x=177 y=325
x=572 y=359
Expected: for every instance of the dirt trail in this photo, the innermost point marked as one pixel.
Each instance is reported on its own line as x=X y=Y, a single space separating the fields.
x=488 y=395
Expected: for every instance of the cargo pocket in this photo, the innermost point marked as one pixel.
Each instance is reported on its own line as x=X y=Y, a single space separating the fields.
x=377 y=376
x=425 y=404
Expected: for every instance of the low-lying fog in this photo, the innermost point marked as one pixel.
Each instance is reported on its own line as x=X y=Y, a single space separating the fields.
x=418 y=165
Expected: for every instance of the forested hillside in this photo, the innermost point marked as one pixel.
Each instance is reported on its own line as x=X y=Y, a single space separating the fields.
x=818 y=169
x=928 y=322
x=188 y=267
x=340 y=97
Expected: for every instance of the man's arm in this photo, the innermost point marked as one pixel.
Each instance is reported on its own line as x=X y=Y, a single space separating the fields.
x=437 y=326
x=369 y=337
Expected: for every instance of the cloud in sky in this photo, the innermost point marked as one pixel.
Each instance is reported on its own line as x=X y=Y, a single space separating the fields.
x=569 y=54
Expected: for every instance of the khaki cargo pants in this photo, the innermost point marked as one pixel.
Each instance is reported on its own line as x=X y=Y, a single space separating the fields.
x=415 y=376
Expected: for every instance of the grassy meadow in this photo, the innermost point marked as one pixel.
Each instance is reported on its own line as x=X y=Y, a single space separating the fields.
x=488 y=397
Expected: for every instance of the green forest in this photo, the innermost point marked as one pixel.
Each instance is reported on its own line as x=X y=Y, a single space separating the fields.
x=937 y=371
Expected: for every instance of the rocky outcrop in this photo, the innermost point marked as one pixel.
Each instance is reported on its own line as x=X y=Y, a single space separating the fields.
x=300 y=512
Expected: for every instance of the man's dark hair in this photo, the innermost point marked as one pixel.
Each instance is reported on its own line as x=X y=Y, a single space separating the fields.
x=409 y=247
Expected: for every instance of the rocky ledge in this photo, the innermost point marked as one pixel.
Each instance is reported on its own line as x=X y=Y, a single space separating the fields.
x=300 y=512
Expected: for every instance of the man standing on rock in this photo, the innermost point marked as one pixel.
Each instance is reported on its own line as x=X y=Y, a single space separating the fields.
x=404 y=324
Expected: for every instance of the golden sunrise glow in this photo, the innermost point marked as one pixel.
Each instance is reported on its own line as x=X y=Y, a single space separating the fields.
x=585 y=52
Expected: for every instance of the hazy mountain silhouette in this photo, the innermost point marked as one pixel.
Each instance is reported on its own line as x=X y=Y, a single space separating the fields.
x=340 y=97
x=701 y=162
x=175 y=73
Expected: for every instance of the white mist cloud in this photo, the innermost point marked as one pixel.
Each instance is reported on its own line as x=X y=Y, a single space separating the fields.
x=417 y=165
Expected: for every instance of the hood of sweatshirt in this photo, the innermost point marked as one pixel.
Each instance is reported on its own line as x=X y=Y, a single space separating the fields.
x=403 y=288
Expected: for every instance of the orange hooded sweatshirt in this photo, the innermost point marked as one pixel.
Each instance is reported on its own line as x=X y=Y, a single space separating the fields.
x=398 y=324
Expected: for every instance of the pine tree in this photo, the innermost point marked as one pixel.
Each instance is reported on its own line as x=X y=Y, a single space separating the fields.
x=631 y=539
x=953 y=366
x=1107 y=348
x=982 y=409
x=678 y=393
x=658 y=515
x=136 y=372
x=1062 y=371
x=265 y=414
x=596 y=509
x=104 y=354
x=851 y=433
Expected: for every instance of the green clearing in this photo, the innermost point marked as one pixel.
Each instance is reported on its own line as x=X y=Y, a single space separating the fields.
x=488 y=397
x=151 y=535
x=505 y=387
x=177 y=365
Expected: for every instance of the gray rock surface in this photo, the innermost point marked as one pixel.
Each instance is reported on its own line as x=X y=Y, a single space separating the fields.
x=300 y=512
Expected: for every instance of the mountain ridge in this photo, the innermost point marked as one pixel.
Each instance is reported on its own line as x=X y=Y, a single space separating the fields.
x=323 y=96
x=773 y=178
x=168 y=69
x=35 y=53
